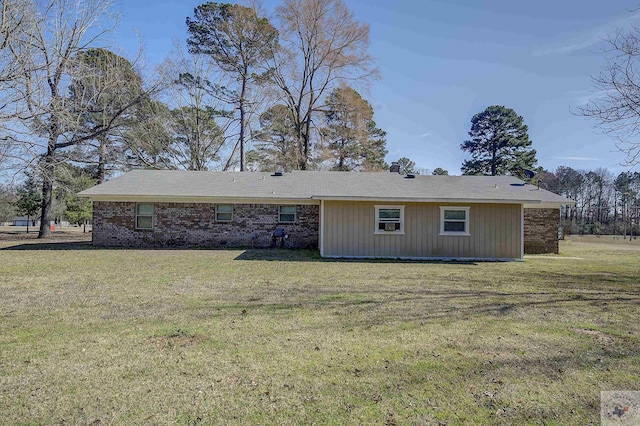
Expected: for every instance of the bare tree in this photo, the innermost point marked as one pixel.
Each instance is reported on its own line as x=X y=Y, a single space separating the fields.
x=322 y=45
x=199 y=125
x=16 y=19
x=616 y=106
x=7 y=203
x=50 y=121
x=238 y=41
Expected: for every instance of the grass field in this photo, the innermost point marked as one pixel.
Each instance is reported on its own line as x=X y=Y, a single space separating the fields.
x=92 y=336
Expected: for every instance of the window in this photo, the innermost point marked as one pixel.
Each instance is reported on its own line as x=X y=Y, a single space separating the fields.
x=144 y=216
x=389 y=220
x=287 y=214
x=454 y=221
x=224 y=212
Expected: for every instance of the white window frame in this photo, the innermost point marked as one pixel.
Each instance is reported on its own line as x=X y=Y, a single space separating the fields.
x=224 y=220
x=464 y=233
x=144 y=215
x=378 y=221
x=295 y=213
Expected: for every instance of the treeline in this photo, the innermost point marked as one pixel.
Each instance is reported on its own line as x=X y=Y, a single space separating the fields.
x=25 y=199
x=247 y=91
x=605 y=203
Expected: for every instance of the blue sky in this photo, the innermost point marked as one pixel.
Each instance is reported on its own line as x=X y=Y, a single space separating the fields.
x=442 y=61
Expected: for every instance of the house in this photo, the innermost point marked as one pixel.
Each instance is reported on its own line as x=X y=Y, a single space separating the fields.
x=33 y=221
x=23 y=221
x=344 y=215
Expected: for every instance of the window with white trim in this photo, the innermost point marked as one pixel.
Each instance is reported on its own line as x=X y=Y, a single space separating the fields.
x=286 y=214
x=454 y=220
x=144 y=216
x=389 y=220
x=224 y=212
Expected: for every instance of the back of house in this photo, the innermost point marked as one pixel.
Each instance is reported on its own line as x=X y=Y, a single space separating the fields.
x=342 y=214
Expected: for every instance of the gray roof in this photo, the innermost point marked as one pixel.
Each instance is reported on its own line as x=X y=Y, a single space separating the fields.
x=321 y=185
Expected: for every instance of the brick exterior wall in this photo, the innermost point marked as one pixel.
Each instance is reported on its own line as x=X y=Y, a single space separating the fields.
x=193 y=224
x=541 y=230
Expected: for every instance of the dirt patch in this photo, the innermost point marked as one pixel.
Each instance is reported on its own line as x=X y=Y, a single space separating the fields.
x=602 y=337
x=176 y=339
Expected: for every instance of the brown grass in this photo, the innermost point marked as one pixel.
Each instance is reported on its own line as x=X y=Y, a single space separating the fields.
x=283 y=337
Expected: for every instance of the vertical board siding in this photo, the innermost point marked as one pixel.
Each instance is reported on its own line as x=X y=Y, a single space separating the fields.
x=350 y=225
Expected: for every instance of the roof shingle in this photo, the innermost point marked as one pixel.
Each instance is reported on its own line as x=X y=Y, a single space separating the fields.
x=322 y=185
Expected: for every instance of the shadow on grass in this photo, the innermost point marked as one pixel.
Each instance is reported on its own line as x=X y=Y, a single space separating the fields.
x=299 y=255
x=424 y=305
x=88 y=245
x=276 y=254
x=74 y=245
x=254 y=254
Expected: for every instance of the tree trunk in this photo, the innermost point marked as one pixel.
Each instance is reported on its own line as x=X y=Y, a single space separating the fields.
x=230 y=159
x=28 y=219
x=47 y=198
x=102 y=154
x=48 y=171
x=307 y=129
x=493 y=160
x=305 y=154
x=300 y=142
x=242 y=120
x=302 y=164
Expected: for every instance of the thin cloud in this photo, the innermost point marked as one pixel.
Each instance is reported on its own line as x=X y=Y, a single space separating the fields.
x=577 y=158
x=588 y=38
x=584 y=97
x=571 y=47
x=425 y=135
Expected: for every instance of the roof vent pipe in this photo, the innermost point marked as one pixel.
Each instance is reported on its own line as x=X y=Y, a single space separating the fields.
x=395 y=167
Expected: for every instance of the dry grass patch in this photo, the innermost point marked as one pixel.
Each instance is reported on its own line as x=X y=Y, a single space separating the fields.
x=283 y=337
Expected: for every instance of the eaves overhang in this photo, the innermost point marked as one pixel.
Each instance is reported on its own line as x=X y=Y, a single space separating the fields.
x=427 y=200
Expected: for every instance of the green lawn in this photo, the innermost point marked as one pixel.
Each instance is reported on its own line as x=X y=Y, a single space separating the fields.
x=93 y=336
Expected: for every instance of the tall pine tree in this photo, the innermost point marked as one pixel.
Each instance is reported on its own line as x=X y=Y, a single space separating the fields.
x=499 y=144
